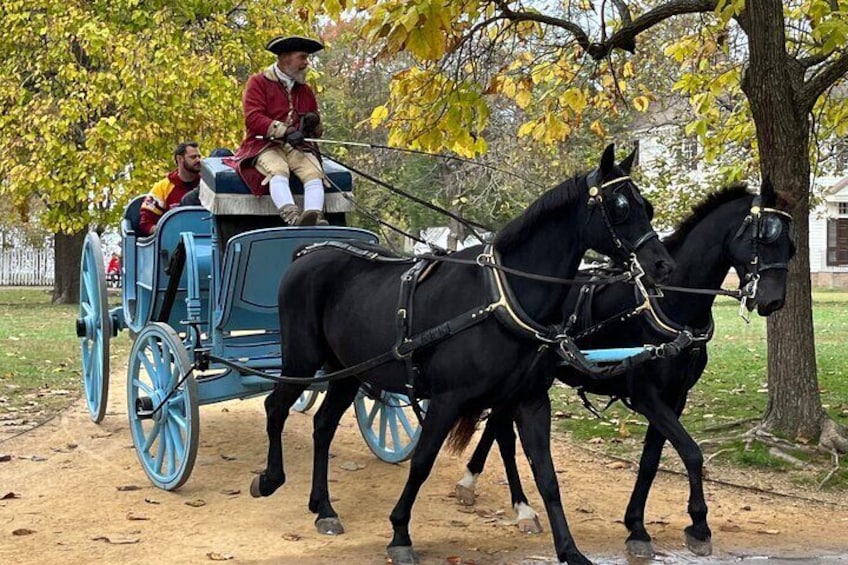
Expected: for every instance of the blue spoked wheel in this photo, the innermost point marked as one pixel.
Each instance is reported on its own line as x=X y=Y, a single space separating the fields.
x=306 y=400
x=166 y=438
x=389 y=424
x=94 y=327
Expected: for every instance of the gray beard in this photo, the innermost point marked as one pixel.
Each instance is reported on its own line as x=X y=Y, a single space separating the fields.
x=299 y=77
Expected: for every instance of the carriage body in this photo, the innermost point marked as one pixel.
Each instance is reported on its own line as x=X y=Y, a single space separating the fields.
x=203 y=282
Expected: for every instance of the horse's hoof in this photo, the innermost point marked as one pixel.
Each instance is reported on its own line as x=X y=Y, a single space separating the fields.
x=260 y=487
x=402 y=555
x=640 y=548
x=329 y=526
x=530 y=525
x=701 y=548
x=465 y=496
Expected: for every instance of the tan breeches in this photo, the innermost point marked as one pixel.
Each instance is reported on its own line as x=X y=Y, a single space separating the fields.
x=280 y=160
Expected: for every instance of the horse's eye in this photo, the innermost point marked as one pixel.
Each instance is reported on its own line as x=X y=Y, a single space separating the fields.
x=770 y=229
x=618 y=208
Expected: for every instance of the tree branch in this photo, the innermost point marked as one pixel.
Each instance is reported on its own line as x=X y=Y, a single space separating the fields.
x=815 y=86
x=624 y=38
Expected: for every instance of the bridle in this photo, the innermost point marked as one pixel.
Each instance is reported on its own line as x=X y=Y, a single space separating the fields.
x=596 y=202
x=758 y=220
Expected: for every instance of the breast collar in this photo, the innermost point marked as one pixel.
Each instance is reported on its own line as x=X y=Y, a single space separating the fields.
x=504 y=305
x=665 y=326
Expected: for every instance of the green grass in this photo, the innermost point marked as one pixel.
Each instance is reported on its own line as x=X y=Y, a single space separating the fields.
x=732 y=389
x=40 y=366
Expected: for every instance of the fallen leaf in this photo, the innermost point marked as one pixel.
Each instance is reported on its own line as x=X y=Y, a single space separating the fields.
x=196 y=503
x=457 y=524
x=291 y=537
x=22 y=532
x=10 y=495
x=215 y=556
x=151 y=501
x=5 y=457
x=231 y=491
x=769 y=532
x=136 y=516
x=351 y=466
x=453 y=560
x=227 y=457
x=128 y=488
x=618 y=465
x=596 y=440
x=730 y=528
x=118 y=540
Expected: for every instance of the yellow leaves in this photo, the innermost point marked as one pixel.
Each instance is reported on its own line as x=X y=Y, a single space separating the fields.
x=641 y=103
x=598 y=129
x=575 y=99
x=523 y=98
x=378 y=116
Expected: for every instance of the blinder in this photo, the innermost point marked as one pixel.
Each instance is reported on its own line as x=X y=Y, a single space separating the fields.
x=767 y=228
x=615 y=208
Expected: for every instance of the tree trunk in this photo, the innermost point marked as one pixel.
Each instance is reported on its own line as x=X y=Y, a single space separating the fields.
x=67 y=250
x=772 y=82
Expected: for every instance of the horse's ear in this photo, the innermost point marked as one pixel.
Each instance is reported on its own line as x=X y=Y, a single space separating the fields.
x=767 y=192
x=627 y=164
x=608 y=159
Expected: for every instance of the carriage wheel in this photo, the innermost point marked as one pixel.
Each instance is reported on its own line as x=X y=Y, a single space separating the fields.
x=166 y=439
x=94 y=327
x=306 y=400
x=388 y=424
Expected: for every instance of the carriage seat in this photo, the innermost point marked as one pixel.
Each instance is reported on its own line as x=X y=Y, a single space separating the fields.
x=222 y=190
x=132 y=216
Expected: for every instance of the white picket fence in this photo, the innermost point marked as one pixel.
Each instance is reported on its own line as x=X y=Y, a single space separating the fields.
x=26 y=266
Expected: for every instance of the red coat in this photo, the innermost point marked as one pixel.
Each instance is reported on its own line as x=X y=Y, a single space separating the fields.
x=265 y=100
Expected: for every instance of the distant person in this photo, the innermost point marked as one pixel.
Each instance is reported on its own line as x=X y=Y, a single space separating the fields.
x=279 y=105
x=113 y=270
x=168 y=192
x=192 y=197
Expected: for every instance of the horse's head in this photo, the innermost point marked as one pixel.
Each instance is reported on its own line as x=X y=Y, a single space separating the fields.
x=619 y=218
x=761 y=250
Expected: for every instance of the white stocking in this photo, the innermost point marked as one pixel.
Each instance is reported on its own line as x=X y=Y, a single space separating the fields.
x=313 y=195
x=280 y=191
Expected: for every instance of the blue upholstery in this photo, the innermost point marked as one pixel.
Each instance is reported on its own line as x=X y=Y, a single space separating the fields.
x=223 y=179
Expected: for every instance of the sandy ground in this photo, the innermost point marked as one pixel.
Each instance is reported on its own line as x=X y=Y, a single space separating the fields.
x=70 y=503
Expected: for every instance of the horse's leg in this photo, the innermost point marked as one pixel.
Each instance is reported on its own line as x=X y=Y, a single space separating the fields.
x=661 y=416
x=441 y=416
x=339 y=397
x=465 y=488
x=534 y=428
x=528 y=519
x=639 y=541
x=277 y=405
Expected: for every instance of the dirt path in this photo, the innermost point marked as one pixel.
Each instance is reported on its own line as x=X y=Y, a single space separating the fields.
x=67 y=476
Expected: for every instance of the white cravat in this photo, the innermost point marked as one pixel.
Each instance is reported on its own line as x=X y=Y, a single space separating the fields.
x=287 y=81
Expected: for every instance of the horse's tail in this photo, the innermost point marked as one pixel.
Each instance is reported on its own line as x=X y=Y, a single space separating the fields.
x=461 y=434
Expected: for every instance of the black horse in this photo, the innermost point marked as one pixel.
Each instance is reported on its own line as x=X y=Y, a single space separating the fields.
x=732 y=228
x=338 y=309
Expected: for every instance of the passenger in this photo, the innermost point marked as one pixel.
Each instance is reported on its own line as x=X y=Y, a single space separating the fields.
x=168 y=192
x=278 y=104
x=192 y=197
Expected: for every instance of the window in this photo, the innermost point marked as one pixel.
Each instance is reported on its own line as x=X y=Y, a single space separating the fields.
x=843 y=209
x=837 y=241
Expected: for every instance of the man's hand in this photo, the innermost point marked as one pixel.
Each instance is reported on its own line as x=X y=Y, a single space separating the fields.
x=277 y=130
x=295 y=137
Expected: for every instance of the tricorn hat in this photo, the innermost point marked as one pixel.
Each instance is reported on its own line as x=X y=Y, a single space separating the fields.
x=288 y=44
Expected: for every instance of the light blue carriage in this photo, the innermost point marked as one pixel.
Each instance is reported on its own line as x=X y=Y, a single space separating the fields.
x=198 y=284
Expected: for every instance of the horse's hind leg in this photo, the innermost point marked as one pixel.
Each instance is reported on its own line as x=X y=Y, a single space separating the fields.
x=441 y=417
x=534 y=428
x=639 y=541
x=339 y=397
x=528 y=519
x=465 y=488
x=277 y=405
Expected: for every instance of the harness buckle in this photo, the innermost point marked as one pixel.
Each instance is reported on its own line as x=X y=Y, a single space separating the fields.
x=485 y=259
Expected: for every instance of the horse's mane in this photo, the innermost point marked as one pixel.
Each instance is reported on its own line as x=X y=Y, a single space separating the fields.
x=702 y=210
x=551 y=202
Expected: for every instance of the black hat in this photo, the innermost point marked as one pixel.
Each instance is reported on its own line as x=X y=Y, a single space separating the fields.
x=282 y=44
